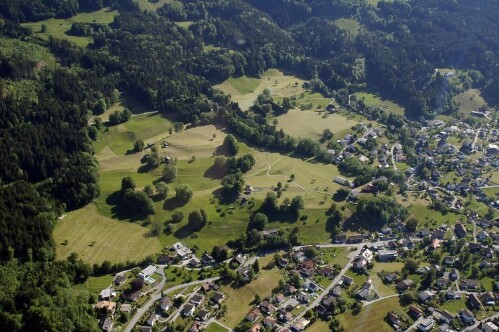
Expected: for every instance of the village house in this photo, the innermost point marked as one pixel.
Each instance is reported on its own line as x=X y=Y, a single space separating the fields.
x=147 y=272
x=489 y=327
x=188 y=310
x=474 y=302
x=466 y=316
x=253 y=315
x=303 y=297
x=404 y=285
x=152 y=319
x=203 y=314
x=269 y=321
x=196 y=327
x=107 y=324
x=119 y=280
x=489 y=298
x=460 y=230
x=468 y=284
x=255 y=328
x=218 y=297
x=387 y=255
x=183 y=252
x=267 y=307
x=415 y=311
x=197 y=299
x=165 y=304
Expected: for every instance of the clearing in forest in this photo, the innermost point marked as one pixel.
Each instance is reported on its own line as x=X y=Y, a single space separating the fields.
x=348 y=24
x=59 y=28
x=96 y=238
x=244 y=90
x=469 y=100
x=371 y=99
x=311 y=124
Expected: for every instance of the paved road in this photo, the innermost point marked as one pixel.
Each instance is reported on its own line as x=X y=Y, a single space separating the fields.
x=393 y=157
x=381 y=298
x=157 y=296
x=317 y=301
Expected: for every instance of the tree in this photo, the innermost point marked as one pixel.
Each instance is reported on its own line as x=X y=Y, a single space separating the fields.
x=100 y=107
x=269 y=205
x=137 y=284
x=256 y=266
x=490 y=214
x=230 y=144
x=296 y=205
x=153 y=160
x=169 y=173
x=177 y=216
x=138 y=204
x=411 y=265
x=149 y=190
x=233 y=184
x=178 y=126
x=183 y=193
x=258 y=222
x=326 y=135
x=126 y=184
x=197 y=219
x=156 y=227
x=411 y=224
x=138 y=145
x=161 y=190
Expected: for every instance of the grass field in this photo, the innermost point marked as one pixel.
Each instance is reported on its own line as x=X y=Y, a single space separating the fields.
x=214 y=327
x=96 y=238
x=244 y=90
x=454 y=306
x=387 y=267
x=371 y=99
x=58 y=28
x=348 y=24
x=318 y=326
x=371 y=317
x=469 y=100
x=238 y=300
x=311 y=124
x=96 y=284
x=153 y=5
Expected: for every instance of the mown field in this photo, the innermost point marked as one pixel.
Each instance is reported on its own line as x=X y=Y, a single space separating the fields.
x=371 y=99
x=244 y=90
x=311 y=124
x=96 y=238
x=59 y=28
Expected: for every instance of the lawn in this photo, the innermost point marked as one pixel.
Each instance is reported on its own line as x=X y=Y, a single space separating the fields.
x=383 y=290
x=371 y=317
x=492 y=193
x=311 y=124
x=238 y=300
x=348 y=24
x=454 y=306
x=387 y=267
x=318 y=326
x=214 y=327
x=96 y=284
x=244 y=90
x=96 y=238
x=59 y=28
x=335 y=255
x=372 y=99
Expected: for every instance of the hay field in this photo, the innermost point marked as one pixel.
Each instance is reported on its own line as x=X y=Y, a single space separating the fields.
x=310 y=124
x=96 y=238
x=244 y=90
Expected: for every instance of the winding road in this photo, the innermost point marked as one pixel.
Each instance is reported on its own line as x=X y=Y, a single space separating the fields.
x=157 y=291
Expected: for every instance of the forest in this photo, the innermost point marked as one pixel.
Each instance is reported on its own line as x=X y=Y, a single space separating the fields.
x=48 y=164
